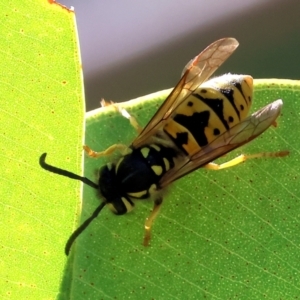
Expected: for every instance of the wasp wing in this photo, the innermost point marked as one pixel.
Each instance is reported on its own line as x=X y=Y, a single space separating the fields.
x=238 y=135
x=195 y=72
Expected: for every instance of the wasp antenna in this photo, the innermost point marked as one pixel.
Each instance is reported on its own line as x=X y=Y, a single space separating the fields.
x=82 y=227
x=66 y=173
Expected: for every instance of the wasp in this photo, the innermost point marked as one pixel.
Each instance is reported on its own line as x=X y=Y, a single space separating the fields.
x=200 y=121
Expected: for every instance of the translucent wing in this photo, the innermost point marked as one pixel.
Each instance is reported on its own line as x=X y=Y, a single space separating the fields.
x=195 y=72
x=238 y=135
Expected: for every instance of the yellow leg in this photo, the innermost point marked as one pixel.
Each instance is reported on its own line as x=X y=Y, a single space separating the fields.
x=124 y=113
x=106 y=152
x=131 y=119
x=105 y=103
x=115 y=147
x=150 y=220
x=242 y=158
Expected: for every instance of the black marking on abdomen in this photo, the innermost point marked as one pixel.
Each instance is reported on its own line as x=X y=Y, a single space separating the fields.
x=216 y=105
x=239 y=87
x=228 y=93
x=180 y=139
x=231 y=98
x=216 y=131
x=195 y=124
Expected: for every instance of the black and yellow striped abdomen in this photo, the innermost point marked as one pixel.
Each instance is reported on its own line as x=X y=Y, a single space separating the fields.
x=212 y=109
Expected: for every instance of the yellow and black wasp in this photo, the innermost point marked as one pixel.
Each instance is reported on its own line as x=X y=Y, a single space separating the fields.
x=199 y=121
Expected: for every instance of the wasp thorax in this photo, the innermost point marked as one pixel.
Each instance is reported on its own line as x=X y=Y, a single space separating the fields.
x=134 y=176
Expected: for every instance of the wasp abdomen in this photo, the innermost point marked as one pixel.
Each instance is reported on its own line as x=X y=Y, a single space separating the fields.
x=213 y=108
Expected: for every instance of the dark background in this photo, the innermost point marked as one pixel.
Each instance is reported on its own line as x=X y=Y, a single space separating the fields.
x=130 y=48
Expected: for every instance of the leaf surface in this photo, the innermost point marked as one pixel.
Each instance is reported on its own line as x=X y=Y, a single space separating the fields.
x=220 y=235
x=41 y=111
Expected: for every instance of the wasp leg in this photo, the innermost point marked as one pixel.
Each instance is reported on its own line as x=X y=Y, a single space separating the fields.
x=133 y=122
x=105 y=103
x=106 y=152
x=150 y=220
x=241 y=158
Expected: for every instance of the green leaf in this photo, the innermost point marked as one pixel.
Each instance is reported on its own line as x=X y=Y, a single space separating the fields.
x=220 y=235
x=227 y=234
x=41 y=111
